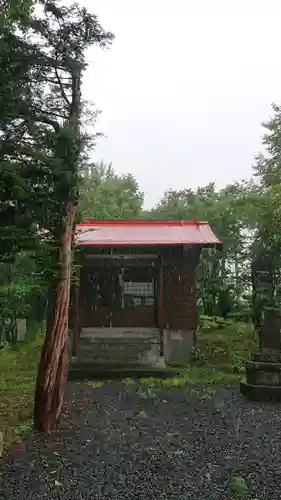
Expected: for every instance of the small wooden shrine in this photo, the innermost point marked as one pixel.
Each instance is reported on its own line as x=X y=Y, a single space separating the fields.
x=134 y=301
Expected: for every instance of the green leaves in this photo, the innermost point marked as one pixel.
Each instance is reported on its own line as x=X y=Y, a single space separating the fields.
x=267 y=241
x=107 y=195
x=14 y=11
x=239 y=487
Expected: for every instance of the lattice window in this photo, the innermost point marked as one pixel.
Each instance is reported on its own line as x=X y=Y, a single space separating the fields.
x=139 y=289
x=138 y=293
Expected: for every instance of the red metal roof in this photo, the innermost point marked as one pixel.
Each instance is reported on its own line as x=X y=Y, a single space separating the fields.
x=113 y=232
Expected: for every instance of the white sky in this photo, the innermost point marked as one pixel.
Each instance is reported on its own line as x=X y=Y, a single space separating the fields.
x=184 y=88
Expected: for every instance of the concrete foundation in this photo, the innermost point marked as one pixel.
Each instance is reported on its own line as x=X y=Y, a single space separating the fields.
x=178 y=345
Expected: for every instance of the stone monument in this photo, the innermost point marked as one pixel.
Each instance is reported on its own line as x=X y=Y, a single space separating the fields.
x=263 y=372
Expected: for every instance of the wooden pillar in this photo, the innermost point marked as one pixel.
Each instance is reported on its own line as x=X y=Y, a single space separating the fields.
x=160 y=308
x=76 y=313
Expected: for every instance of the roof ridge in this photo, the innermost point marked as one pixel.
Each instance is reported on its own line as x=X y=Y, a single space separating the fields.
x=142 y=222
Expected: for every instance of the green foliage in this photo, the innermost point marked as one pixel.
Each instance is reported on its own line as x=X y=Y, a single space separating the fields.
x=20 y=286
x=267 y=240
x=213 y=323
x=14 y=11
x=227 y=348
x=106 y=195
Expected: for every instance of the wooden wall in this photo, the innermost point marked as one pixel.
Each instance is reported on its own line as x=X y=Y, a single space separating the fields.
x=179 y=295
x=180 y=298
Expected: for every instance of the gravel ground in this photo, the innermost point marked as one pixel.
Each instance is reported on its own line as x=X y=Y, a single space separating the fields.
x=132 y=442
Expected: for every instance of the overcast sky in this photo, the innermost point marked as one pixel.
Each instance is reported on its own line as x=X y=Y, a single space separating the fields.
x=184 y=88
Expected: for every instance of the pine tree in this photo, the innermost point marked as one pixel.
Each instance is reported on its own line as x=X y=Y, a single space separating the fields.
x=67 y=32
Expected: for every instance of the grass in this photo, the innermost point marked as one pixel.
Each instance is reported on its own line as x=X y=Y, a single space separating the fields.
x=127 y=381
x=96 y=383
x=222 y=353
x=18 y=366
x=219 y=359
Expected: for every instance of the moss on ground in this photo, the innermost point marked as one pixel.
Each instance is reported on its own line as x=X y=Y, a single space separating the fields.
x=18 y=367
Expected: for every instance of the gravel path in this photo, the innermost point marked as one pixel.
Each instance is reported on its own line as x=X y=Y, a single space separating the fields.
x=132 y=442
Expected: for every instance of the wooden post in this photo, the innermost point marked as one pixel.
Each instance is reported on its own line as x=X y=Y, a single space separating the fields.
x=76 y=313
x=160 y=308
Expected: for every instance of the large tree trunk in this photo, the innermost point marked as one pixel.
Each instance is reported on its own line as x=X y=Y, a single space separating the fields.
x=53 y=367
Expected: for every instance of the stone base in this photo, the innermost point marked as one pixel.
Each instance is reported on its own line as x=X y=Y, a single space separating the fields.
x=263 y=373
x=132 y=346
x=263 y=377
x=261 y=393
x=266 y=356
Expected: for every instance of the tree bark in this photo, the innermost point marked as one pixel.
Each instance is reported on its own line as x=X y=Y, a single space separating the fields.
x=53 y=366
